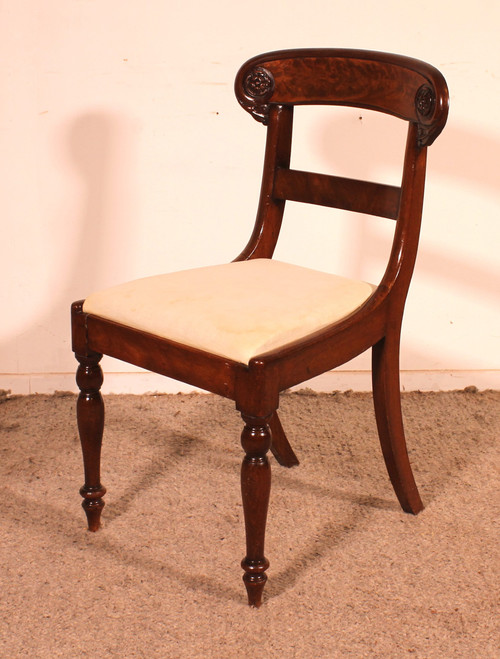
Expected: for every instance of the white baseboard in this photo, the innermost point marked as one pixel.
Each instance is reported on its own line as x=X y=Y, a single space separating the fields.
x=144 y=382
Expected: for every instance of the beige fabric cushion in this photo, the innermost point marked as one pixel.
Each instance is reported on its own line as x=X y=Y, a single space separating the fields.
x=236 y=310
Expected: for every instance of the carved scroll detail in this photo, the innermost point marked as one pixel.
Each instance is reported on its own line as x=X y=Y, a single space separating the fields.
x=259 y=85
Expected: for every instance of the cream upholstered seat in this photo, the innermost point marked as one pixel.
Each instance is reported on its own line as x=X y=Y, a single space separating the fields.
x=236 y=310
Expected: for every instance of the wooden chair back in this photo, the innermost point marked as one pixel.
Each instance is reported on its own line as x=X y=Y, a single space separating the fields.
x=269 y=86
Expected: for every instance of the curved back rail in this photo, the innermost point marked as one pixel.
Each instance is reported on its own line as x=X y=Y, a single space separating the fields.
x=269 y=86
x=402 y=86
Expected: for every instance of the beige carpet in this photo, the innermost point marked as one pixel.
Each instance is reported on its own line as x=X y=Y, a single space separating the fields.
x=350 y=576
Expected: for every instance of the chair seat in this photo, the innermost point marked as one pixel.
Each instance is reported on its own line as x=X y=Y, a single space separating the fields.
x=236 y=310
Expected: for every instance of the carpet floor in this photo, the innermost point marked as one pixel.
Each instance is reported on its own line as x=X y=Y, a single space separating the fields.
x=351 y=575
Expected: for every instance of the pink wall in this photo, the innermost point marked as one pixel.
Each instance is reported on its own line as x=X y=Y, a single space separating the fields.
x=110 y=110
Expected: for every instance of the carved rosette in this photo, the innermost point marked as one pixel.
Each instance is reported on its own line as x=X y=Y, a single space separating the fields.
x=258 y=86
x=259 y=83
x=425 y=103
x=425 y=100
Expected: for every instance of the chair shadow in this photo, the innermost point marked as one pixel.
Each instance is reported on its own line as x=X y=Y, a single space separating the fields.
x=331 y=534
x=101 y=543
x=460 y=155
x=155 y=470
x=100 y=149
x=68 y=528
x=51 y=519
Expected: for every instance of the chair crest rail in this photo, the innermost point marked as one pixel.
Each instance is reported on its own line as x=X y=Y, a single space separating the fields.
x=402 y=86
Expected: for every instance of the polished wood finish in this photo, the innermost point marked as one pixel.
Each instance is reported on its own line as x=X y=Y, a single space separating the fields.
x=268 y=87
x=255 y=490
x=387 y=402
x=90 y=416
x=398 y=85
x=337 y=192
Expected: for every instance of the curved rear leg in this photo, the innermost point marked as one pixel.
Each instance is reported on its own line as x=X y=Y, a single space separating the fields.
x=387 y=402
x=280 y=447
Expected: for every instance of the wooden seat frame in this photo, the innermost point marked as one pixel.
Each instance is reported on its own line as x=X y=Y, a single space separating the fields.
x=268 y=87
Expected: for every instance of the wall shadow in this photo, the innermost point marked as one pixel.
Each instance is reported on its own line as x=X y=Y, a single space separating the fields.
x=93 y=143
x=99 y=147
x=460 y=157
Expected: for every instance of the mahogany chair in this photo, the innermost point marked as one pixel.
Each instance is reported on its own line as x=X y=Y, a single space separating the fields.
x=249 y=329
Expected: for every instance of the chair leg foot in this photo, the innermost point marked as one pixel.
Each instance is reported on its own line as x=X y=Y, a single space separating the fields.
x=387 y=403
x=93 y=507
x=90 y=417
x=255 y=490
x=254 y=584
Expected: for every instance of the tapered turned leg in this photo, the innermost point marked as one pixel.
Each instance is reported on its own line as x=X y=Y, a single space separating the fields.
x=280 y=447
x=255 y=489
x=90 y=416
x=387 y=401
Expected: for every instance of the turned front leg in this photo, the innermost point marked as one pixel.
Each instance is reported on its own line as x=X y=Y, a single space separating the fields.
x=90 y=417
x=255 y=489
